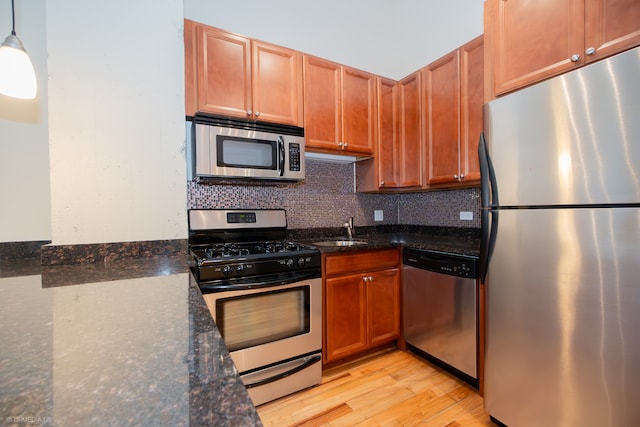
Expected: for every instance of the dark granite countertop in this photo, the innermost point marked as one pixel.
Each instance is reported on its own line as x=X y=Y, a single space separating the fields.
x=125 y=343
x=131 y=342
x=462 y=241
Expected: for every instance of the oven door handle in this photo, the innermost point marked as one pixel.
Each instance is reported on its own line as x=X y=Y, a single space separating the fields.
x=247 y=283
x=305 y=365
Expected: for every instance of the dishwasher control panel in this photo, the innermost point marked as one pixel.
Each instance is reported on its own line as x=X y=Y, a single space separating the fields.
x=440 y=262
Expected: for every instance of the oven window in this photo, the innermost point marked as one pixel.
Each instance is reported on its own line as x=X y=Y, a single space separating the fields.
x=263 y=317
x=242 y=152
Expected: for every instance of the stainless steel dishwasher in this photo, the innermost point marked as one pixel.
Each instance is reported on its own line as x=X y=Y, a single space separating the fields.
x=439 y=310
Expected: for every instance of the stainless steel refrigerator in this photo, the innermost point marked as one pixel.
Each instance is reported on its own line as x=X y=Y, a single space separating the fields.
x=560 y=258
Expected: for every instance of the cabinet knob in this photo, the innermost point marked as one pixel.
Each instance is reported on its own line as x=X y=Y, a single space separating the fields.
x=575 y=57
x=340 y=145
x=590 y=51
x=456 y=177
x=461 y=176
x=381 y=183
x=257 y=113
x=249 y=112
x=345 y=145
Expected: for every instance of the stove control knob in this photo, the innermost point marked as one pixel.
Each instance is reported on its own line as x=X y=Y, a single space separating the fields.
x=300 y=262
x=240 y=268
x=289 y=263
x=226 y=270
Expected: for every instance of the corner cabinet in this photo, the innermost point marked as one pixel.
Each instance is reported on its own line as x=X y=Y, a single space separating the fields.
x=453 y=99
x=232 y=75
x=533 y=40
x=382 y=171
x=362 y=302
x=410 y=139
x=339 y=108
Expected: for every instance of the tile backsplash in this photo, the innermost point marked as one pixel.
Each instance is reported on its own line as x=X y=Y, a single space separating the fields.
x=327 y=198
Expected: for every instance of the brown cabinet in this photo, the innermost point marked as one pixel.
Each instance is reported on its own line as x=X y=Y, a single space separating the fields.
x=231 y=75
x=362 y=302
x=339 y=108
x=454 y=95
x=411 y=145
x=533 y=40
x=381 y=172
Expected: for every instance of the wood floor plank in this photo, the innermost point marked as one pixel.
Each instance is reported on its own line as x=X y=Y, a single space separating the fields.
x=393 y=388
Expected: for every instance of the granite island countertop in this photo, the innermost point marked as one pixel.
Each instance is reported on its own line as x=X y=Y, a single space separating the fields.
x=129 y=343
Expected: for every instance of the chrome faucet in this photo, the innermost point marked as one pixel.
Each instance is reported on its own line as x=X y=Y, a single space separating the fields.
x=349 y=226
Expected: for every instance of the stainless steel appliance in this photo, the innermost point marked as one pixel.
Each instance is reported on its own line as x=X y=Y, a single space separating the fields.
x=231 y=149
x=439 y=310
x=265 y=295
x=560 y=249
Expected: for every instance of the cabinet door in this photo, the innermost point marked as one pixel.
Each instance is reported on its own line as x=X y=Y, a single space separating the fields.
x=534 y=40
x=358 y=120
x=322 y=108
x=410 y=135
x=611 y=27
x=387 y=132
x=442 y=91
x=471 y=102
x=223 y=72
x=277 y=84
x=383 y=306
x=346 y=331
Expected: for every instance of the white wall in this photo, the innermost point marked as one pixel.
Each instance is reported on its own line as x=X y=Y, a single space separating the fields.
x=25 y=205
x=389 y=38
x=116 y=120
x=99 y=156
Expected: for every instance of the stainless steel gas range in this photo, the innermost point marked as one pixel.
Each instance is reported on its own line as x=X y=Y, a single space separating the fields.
x=265 y=295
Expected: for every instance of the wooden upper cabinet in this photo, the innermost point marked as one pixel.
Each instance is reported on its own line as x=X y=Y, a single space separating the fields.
x=454 y=96
x=358 y=101
x=231 y=75
x=277 y=84
x=534 y=40
x=611 y=26
x=322 y=103
x=442 y=101
x=412 y=156
x=471 y=108
x=339 y=107
x=387 y=148
x=381 y=172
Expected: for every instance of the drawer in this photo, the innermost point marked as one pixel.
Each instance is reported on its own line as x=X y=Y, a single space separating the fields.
x=357 y=261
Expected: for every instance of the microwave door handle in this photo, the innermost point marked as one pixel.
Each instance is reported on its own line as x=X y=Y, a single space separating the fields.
x=281 y=155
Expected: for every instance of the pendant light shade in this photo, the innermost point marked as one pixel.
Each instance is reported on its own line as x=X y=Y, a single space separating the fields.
x=17 y=76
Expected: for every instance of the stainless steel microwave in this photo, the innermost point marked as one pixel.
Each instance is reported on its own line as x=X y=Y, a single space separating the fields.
x=232 y=149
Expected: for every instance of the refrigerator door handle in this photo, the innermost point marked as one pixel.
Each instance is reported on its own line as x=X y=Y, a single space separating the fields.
x=488 y=215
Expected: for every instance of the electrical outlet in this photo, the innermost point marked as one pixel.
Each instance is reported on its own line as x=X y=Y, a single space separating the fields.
x=378 y=215
x=466 y=216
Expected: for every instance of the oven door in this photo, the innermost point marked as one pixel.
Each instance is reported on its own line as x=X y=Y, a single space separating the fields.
x=262 y=325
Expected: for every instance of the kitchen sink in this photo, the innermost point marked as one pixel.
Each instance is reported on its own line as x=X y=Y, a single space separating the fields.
x=340 y=243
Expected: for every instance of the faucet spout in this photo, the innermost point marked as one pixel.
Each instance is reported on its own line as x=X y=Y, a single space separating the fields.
x=349 y=226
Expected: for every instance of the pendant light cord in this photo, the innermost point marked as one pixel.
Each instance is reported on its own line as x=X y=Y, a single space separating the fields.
x=13 y=18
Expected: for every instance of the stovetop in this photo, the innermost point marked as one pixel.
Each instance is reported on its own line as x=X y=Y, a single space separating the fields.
x=237 y=244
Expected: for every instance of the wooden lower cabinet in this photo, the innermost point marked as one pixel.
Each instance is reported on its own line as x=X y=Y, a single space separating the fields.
x=362 y=302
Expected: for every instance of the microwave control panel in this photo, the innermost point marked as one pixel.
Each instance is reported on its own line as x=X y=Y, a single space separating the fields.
x=294 y=157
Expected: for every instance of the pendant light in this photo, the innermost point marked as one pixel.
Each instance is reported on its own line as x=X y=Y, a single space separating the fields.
x=17 y=77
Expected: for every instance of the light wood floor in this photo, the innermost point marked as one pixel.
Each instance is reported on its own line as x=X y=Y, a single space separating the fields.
x=393 y=388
